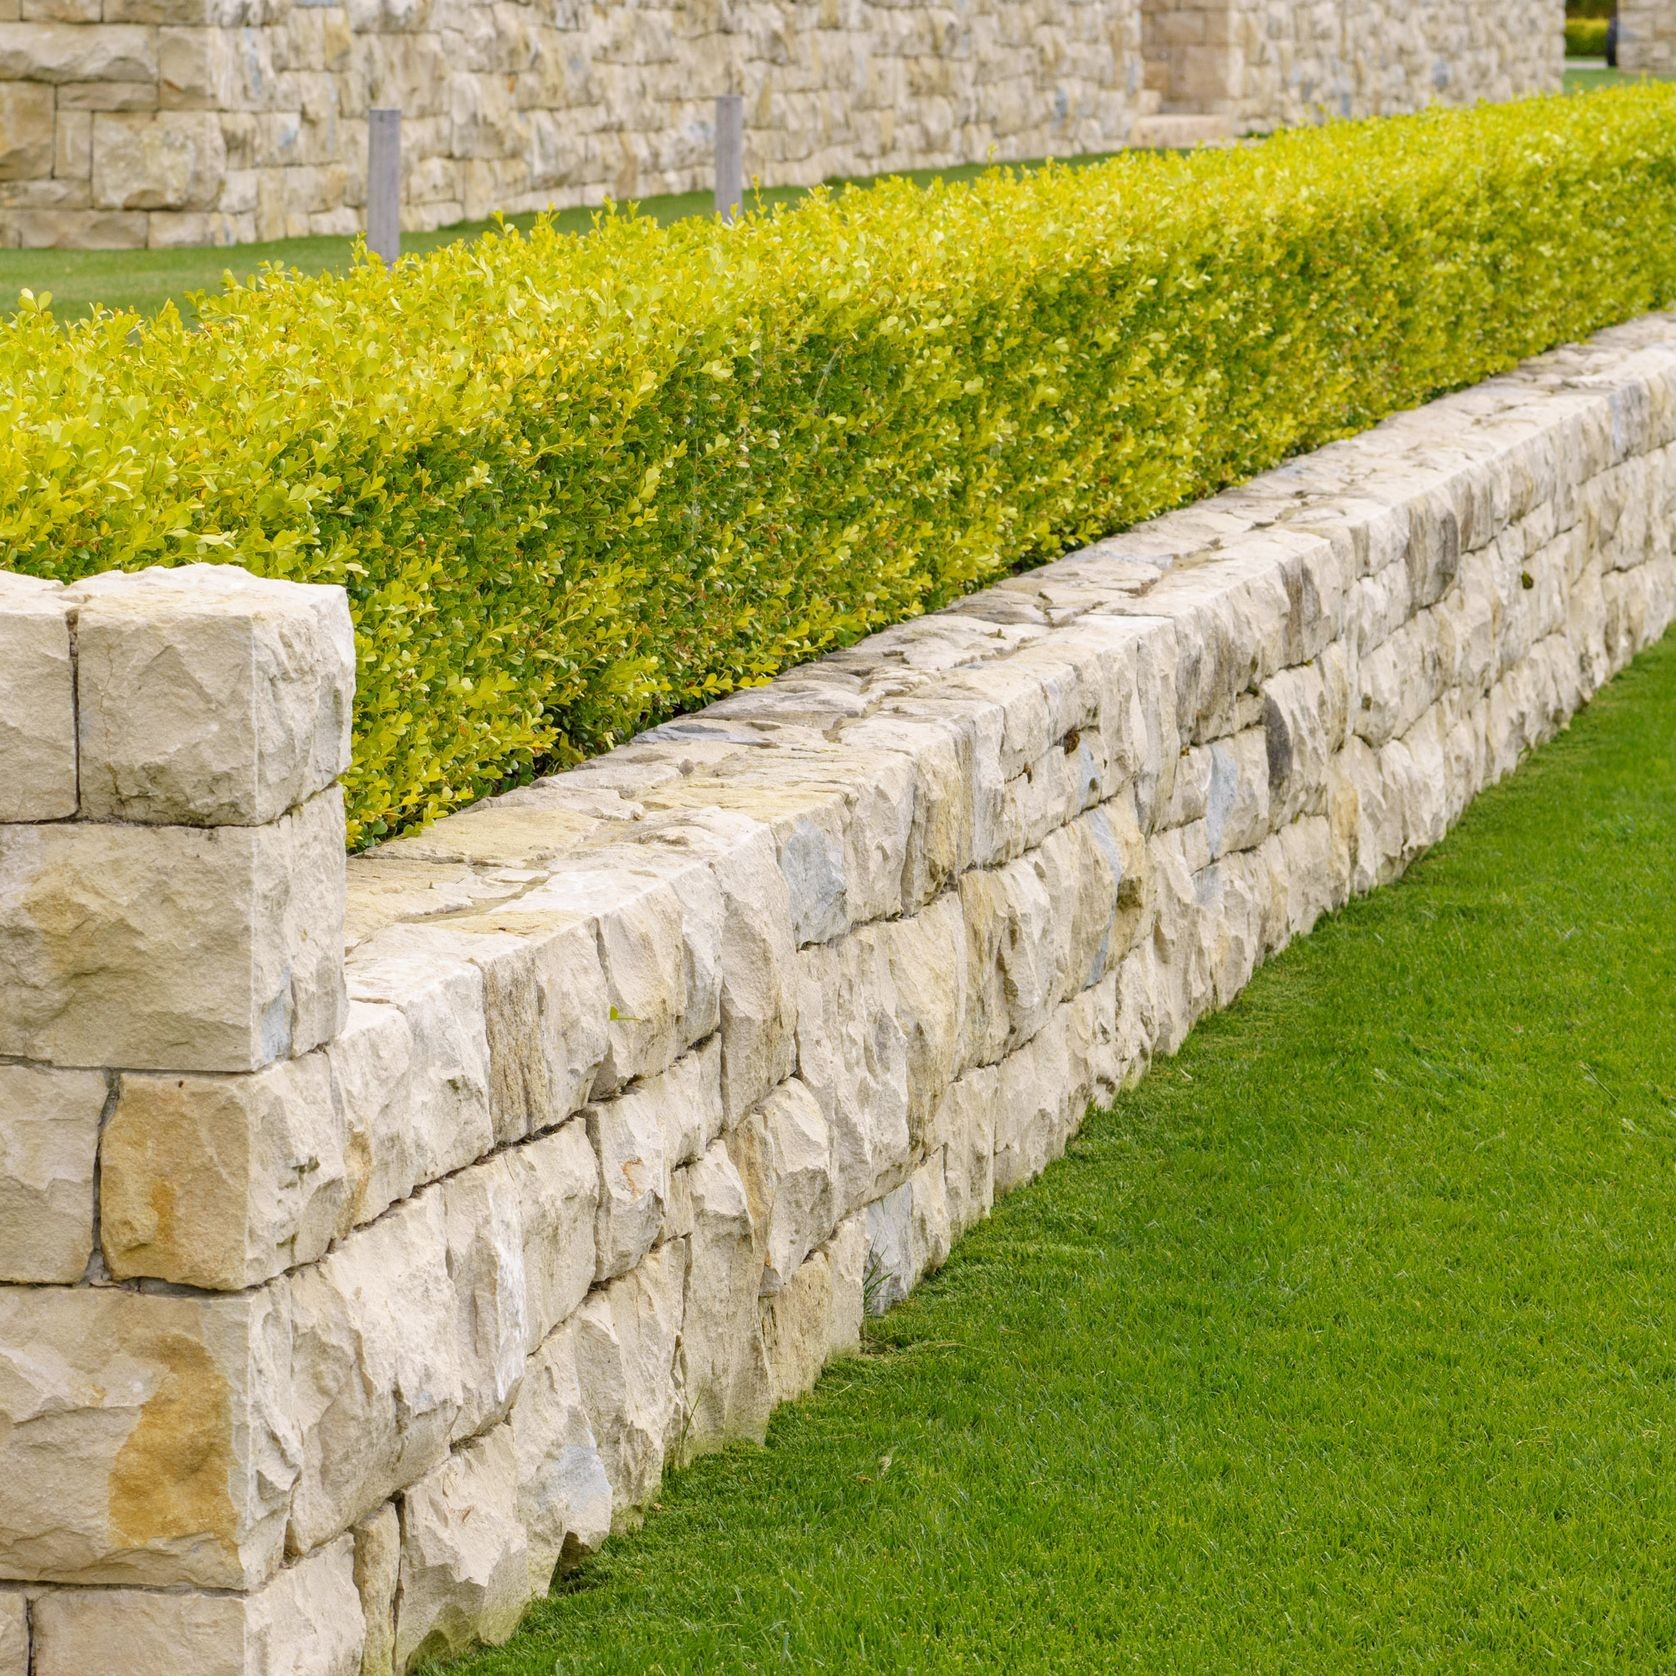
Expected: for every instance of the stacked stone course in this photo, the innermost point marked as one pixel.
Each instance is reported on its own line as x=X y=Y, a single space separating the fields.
x=181 y=122
x=374 y=1234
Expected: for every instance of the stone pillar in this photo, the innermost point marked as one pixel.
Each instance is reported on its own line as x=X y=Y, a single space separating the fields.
x=1647 y=36
x=172 y=882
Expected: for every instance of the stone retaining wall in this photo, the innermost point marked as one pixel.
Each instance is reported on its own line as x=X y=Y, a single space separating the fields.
x=374 y=1235
x=171 y=122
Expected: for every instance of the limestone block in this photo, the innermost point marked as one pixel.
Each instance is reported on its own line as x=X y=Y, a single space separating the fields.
x=49 y=1137
x=784 y=1155
x=1038 y=1107
x=208 y=696
x=376 y=1367
x=626 y=1335
x=1018 y=956
x=200 y=949
x=564 y=1497
x=223 y=1182
x=377 y=1570
x=557 y=1180
x=632 y=1138
x=951 y=796
x=485 y=1233
x=150 y=1440
x=1297 y=737
x=465 y=1559
x=721 y=1364
x=927 y=955
x=37 y=697
x=67 y=52
x=757 y=959
x=545 y=1005
x=962 y=1132
x=853 y=1057
x=14 y=1633
x=908 y=1233
x=171 y=160
x=305 y=1622
x=26 y=138
x=658 y=931
x=795 y=1328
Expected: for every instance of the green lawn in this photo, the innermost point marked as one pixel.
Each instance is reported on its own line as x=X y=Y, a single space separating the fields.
x=1347 y=1341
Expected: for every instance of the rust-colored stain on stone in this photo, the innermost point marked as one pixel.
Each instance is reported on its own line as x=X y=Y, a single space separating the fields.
x=170 y=1479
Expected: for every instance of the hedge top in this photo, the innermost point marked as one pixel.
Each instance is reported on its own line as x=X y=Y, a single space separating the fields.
x=573 y=485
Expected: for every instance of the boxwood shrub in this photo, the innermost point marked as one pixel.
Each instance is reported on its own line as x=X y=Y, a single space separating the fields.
x=1585 y=37
x=576 y=484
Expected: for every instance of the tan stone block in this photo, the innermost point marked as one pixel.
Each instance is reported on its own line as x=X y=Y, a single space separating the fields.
x=14 y=1633
x=49 y=1138
x=37 y=694
x=376 y=1367
x=209 y=696
x=224 y=1182
x=72 y=149
x=304 y=1622
x=25 y=130
x=378 y=1555
x=77 y=229
x=150 y=1440
x=564 y=1497
x=176 y=229
x=164 y=948
x=465 y=1559
x=626 y=1338
x=106 y=96
x=171 y=160
x=65 y=52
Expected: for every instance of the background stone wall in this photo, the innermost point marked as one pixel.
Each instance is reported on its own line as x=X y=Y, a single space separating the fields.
x=158 y=122
x=1647 y=36
x=356 y=1278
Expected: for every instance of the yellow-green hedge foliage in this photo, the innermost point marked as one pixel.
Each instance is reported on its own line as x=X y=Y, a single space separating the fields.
x=1585 y=37
x=573 y=485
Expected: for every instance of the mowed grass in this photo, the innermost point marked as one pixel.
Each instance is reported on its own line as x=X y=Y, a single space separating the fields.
x=1343 y=1342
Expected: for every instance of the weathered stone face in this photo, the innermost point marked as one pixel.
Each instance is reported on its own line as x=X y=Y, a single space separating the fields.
x=210 y=697
x=37 y=699
x=49 y=1137
x=150 y=1439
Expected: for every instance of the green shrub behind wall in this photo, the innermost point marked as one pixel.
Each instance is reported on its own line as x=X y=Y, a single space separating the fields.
x=573 y=485
x=1585 y=37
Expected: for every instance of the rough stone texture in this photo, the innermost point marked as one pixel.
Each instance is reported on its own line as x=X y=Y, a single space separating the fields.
x=49 y=1137
x=305 y=1622
x=236 y=121
x=149 y=1440
x=170 y=947
x=659 y=1073
x=1647 y=36
x=209 y=697
x=14 y=1633
x=37 y=699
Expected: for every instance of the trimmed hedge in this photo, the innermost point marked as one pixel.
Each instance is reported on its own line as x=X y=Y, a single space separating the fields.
x=1585 y=37
x=574 y=485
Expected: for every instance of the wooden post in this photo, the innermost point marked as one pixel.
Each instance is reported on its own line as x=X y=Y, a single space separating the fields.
x=730 y=154
x=384 y=183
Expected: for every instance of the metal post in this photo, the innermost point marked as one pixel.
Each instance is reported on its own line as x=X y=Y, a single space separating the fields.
x=730 y=154
x=384 y=183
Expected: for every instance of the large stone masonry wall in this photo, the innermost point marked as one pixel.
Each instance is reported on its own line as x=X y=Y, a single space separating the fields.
x=1263 y=64
x=168 y=122
x=1647 y=36
x=374 y=1235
